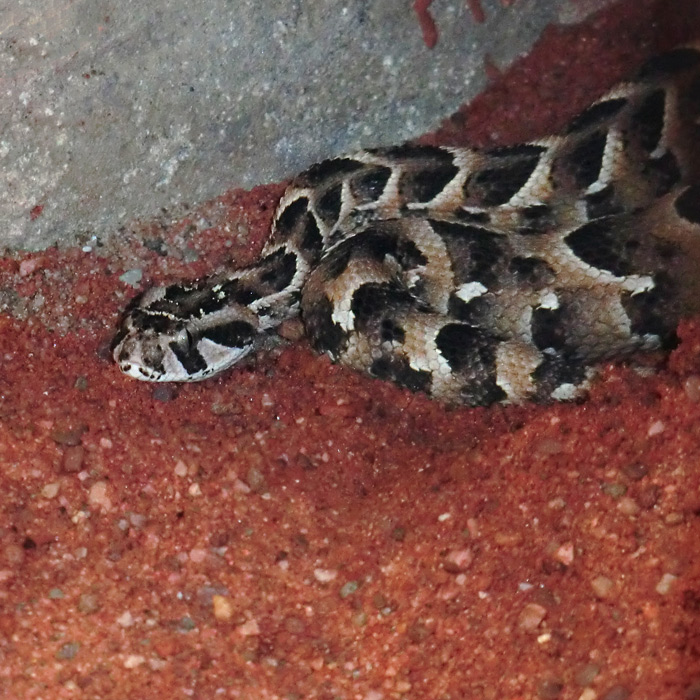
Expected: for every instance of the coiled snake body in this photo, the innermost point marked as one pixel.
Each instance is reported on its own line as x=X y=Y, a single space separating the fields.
x=474 y=275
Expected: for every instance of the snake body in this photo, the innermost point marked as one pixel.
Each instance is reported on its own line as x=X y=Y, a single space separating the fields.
x=477 y=276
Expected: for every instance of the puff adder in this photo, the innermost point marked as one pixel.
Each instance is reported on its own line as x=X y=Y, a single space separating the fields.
x=476 y=276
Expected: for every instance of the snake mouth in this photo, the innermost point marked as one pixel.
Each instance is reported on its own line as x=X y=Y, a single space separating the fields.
x=139 y=372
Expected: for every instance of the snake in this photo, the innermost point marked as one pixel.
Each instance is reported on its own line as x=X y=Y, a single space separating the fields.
x=476 y=275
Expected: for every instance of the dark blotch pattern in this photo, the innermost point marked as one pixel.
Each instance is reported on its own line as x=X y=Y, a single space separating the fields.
x=369 y=185
x=181 y=293
x=328 y=205
x=471 y=354
x=337 y=261
x=480 y=249
x=533 y=272
x=311 y=241
x=521 y=150
x=409 y=151
x=687 y=205
x=277 y=269
x=536 y=219
x=466 y=348
x=239 y=293
x=647 y=121
x=373 y=301
x=602 y=203
x=586 y=159
x=598 y=244
x=599 y=113
x=333 y=168
x=235 y=334
x=158 y=323
x=665 y=171
x=670 y=63
x=391 y=332
x=471 y=311
x=472 y=217
x=232 y=292
x=548 y=329
x=297 y=220
x=424 y=184
x=398 y=370
x=650 y=312
x=288 y=220
x=189 y=357
x=496 y=185
x=324 y=333
x=557 y=368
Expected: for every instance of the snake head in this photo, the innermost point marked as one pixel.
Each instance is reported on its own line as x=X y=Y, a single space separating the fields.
x=183 y=333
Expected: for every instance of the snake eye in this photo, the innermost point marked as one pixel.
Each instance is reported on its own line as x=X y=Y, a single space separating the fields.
x=184 y=340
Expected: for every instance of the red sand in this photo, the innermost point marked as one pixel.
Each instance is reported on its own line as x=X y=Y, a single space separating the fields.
x=292 y=530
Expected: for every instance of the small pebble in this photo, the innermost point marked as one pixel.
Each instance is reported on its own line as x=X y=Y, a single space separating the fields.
x=88 y=603
x=664 y=585
x=68 y=436
x=418 y=632
x=673 y=518
x=586 y=675
x=14 y=554
x=635 y=471
x=373 y=695
x=656 y=428
x=256 y=480
x=133 y=660
x=50 y=490
x=549 y=446
x=186 y=624
x=81 y=383
x=628 y=506
x=222 y=607
x=98 y=495
x=531 y=616
x=68 y=651
x=549 y=689
x=691 y=387
x=125 y=619
x=73 y=459
x=198 y=555
x=615 y=491
x=26 y=267
x=602 y=586
x=164 y=392
x=458 y=560
x=618 y=692
x=132 y=277
x=565 y=553
x=325 y=575
x=249 y=628
x=349 y=588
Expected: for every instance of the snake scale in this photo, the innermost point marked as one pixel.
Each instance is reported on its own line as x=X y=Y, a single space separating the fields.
x=477 y=276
